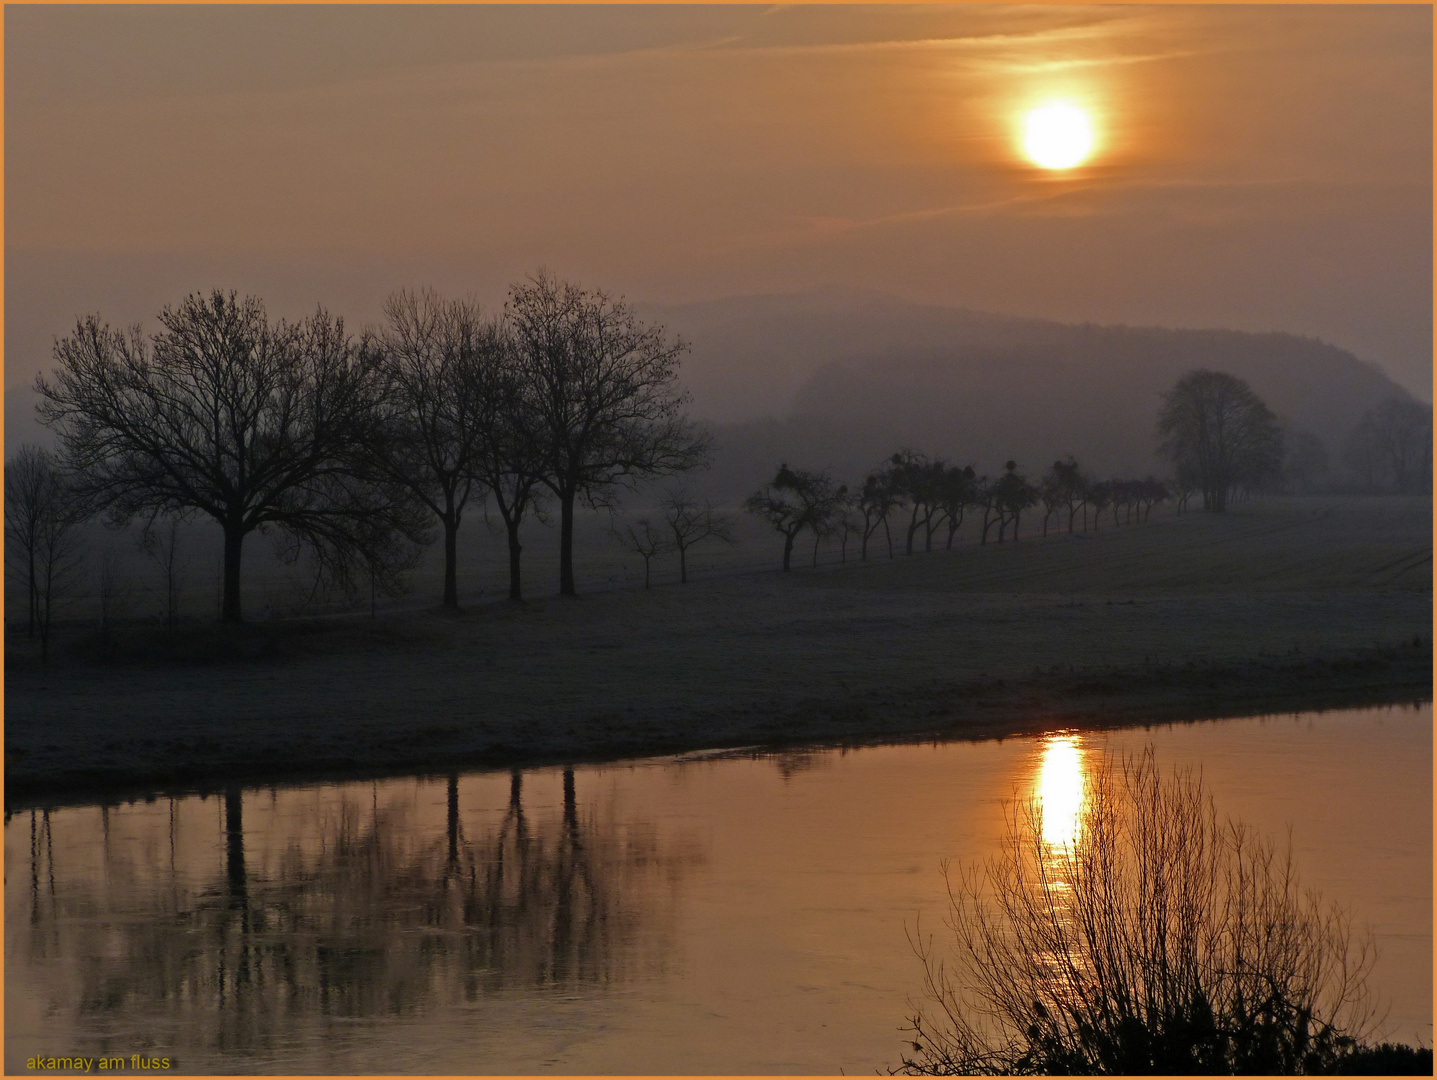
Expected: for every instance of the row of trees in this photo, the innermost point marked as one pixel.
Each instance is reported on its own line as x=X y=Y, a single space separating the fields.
x=1220 y=437
x=930 y=497
x=355 y=449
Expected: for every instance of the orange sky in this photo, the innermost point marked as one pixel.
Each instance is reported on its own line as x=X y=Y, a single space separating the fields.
x=1259 y=168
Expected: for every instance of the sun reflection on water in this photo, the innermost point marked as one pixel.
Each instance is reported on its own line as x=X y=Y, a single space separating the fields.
x=1060 y=790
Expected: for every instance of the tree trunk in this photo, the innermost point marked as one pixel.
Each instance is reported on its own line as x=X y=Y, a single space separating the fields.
x=451 y=561
x=787 y=550
x=34 y=593
x=234 y=544
x=683 y=564
x=955 y=522
x=566 y=544
x=646 y=571
x=512 y=527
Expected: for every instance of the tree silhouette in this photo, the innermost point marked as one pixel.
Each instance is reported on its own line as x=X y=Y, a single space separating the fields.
x=599 y=390
x=1392 y=445
x=1052 y=492
x=691 y=524
x=793 y=501
x=645 y=540
x=43 y=510
x=1100 y=497
x=918 y=479
x=162 y=545
x=437 y=407
x=1213 y=424
x=256 y=425
x=1068 y=481
x=35 y=498
x=957 y=489
x=875 y=500
x=1012 y=494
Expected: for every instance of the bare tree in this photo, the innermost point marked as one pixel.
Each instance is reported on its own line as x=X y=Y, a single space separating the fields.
x=509 y=470
x=828 y=517
x=1011 y=495
x=1392 y=445
x=692 y=523
x=1069 y=480
x=1185 y=485
x=845 y=523
x=439 y=359
x=162 y=544
x=1150 y=492
x=793 y=501
x=32 y=486
x=875 y=500
x=112 y=590
x=1212 y=423
x=956 y=491
x=1099 y=495
x=644 y=539
x=917 y=478
x=256 y=425
x=43 y=511
x=600 y=395
x=61 y=554
x=511 y=457
x=1053 y=496
x=1158 y=939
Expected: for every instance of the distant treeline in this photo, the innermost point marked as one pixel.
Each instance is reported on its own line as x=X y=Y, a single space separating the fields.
x=1221 y=439
x=928 y=497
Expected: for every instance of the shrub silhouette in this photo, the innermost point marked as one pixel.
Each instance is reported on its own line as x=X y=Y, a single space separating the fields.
x=1161 y=939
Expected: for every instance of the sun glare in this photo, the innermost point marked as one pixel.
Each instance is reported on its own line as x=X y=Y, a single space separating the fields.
x=1058 y=136
x=1060 y=790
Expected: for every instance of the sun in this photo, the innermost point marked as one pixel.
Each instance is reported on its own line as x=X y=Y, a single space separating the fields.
x=1058 y=136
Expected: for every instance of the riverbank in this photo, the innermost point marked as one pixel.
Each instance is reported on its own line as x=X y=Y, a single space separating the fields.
x=1281 y=606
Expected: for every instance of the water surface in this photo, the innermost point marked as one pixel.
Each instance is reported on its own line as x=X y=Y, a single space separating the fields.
x=704 y=914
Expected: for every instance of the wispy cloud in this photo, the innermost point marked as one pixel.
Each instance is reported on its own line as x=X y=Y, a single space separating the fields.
x=1106 y=197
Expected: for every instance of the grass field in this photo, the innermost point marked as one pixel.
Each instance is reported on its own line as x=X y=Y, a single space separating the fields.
x=1276 y=606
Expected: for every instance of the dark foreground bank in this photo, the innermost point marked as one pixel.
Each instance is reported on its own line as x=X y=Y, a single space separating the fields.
x=176 y=755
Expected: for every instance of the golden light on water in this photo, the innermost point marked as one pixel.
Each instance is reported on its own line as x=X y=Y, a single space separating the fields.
x=1060 y=790
x=1057 y=135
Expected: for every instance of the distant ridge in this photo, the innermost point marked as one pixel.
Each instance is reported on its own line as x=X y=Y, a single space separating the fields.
x=842 y=378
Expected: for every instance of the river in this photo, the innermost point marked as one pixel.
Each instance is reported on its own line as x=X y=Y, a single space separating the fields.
x=711 y=913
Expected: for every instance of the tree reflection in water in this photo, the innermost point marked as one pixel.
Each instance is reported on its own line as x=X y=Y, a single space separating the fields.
x=372 y=916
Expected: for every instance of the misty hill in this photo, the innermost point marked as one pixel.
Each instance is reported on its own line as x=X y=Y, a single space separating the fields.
x=839 y=380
